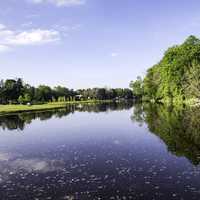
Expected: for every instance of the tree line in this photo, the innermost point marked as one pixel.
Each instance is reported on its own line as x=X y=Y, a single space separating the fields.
x=16 y=91
x=175 y=78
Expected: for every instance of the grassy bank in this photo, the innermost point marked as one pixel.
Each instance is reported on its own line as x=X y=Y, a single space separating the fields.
x=6 y=109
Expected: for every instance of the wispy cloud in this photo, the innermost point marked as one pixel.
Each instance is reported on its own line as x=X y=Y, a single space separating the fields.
x=4 y=48
x=67 y=29
x=32 y=37
x=27 y=24
x=10 y=38
x=60 y=3
x=114 y=54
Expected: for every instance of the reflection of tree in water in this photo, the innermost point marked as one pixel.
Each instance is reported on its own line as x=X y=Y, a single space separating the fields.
x=138 y=114
x=19 y=121
x=103 y=107
x=178 y=127
x=11 y=122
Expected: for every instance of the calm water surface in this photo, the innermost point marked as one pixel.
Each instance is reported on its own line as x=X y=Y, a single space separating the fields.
x=107 y=151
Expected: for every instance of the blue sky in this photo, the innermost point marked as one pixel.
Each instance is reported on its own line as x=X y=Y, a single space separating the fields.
x=89 y=43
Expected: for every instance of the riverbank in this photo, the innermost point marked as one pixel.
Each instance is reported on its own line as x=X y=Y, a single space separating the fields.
x=192 y=102
x=8 y=109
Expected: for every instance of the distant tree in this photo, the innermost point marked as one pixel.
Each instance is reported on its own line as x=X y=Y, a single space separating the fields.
x=30 y=90
x=119 y=92
x=12 y=89
x=43 y=93
x=60 y=91
x=101 y=93
x=21 y=99
x=16 y=91
x=137 y=87
x=24 y=99
x=128 y=94
x=27 y=98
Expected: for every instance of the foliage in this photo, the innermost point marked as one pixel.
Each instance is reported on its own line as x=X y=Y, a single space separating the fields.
x=24 y=99
x=177 y=76
x=192 y=84
x=137 y=87
x=14 y=91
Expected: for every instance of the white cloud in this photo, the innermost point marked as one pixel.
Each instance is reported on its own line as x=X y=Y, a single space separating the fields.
x=32 y=37
x=28 y=24
x=60 y=3
x=67 y=28
x=10 y=38
x=114 y=54
x=4 y=48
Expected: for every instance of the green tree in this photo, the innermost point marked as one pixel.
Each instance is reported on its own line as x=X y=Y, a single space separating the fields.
x=192 y=83
x=175 y=77
x=137 y=87
x=43 y=93
x=21 y=99
x=27 y=98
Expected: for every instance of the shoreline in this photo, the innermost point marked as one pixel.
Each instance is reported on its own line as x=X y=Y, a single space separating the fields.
x=12 y=109
x=193 y=102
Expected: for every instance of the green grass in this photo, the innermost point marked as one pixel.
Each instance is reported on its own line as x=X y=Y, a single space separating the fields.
x=6 y=109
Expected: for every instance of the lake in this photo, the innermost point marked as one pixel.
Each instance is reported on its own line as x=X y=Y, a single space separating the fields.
x=104 y=151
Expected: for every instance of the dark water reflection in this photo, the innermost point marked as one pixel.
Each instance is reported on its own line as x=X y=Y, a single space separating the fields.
x=104 y=151
x=178 y=127
x=19 y=121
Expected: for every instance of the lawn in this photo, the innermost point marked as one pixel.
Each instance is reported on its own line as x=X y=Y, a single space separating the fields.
x=6 y=109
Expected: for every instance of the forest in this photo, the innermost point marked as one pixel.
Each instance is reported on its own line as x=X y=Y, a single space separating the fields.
x=176 y=78
x=16 y=91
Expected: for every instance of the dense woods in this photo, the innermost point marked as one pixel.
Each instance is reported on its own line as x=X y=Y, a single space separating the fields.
x=15 y=91
x=175 y=78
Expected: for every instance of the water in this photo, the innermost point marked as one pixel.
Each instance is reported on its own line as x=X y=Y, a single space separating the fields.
x=107 y=151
